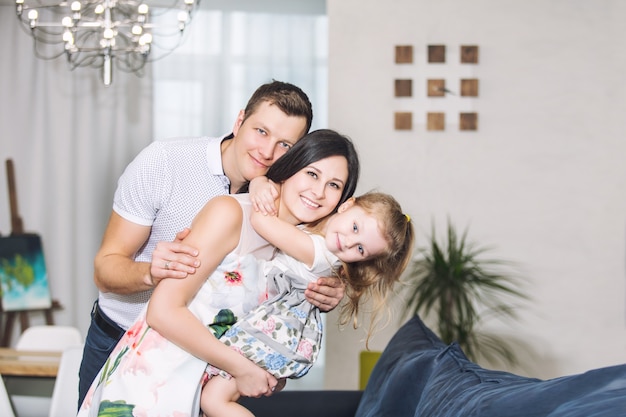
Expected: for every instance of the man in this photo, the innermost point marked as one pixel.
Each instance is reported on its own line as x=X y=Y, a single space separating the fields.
x=159 y=194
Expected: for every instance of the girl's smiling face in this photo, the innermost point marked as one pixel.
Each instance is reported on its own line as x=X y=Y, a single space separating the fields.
x=353 y=234
x=314 y=191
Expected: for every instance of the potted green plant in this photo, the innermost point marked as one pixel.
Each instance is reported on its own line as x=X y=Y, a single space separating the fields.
x=452 y=281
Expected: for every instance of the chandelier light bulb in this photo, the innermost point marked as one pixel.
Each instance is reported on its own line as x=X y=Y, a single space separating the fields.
x=145 y=39
x=68 y=23
x=107 y=33
x=136 y=30
x=189 y=2
x=142 y=9
x=68 y=38
x=33 y=14
x=76 y=6
x=99 y=9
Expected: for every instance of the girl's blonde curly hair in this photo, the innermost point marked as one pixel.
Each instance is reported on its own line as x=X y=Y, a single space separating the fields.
x=373 y=279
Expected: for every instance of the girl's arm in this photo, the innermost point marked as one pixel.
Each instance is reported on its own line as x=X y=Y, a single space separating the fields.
x=215 y=233
x=263 y=194
x=288 y=238
x=327 y=292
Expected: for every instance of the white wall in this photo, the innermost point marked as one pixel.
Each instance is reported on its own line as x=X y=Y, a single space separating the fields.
x=543 y=180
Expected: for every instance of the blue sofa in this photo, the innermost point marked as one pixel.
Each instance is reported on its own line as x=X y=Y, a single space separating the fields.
x=419 y=375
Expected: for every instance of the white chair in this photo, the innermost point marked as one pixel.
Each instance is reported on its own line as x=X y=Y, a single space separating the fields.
x=45 y=338
x=6 y=408
x=49 y=338
x=65 y=393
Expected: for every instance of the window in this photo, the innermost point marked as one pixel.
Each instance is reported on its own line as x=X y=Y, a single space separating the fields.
x=202 y=85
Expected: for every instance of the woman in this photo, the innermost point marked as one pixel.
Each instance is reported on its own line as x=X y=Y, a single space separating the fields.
x=157 y=367
x=370 y=237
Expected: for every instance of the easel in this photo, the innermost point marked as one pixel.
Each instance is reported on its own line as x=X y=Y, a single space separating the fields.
x=17 y=228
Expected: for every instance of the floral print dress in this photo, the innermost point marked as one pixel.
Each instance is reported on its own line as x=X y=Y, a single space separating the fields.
x=284 y=334
x=148 y=376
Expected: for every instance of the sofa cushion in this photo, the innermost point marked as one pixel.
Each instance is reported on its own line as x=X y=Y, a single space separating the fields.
x=329 y=403
x=419 y=375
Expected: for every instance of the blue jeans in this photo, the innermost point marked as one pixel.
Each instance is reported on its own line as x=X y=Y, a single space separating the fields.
x=98 y=346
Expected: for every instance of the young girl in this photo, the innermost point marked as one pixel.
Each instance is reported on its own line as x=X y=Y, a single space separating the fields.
x=157 y=367
x=369 y=237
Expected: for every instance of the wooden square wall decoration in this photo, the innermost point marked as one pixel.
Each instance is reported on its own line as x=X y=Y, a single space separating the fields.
x=403 y=121
x=404 y=54
x=436 y=88
x=469 y=54
x=435 y=121
x=436 y=54
x=404 y=88
x=469 y=87
x=468 y=121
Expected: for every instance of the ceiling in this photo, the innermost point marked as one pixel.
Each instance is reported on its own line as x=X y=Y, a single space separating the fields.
x=269 y=6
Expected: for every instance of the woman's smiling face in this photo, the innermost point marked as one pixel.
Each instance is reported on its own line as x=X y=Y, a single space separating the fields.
x=313 y=192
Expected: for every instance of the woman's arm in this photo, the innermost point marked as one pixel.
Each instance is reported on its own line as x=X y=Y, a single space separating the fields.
x=285 y=236
x=215 y=232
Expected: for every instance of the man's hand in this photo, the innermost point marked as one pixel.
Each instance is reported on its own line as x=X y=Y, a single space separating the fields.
x=326 y=293
x=173 y=259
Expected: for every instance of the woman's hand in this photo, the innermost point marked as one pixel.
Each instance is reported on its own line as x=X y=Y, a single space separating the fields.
x=326 y=293
x=255 y=382
x=263 y=194
x=173 y=259
x=282 y=382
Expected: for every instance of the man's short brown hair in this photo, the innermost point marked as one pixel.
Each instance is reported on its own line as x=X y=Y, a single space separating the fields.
x=287 y=97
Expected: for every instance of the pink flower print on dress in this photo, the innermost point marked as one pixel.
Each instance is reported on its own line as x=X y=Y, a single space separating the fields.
x=233 y=278
x=152 y=340
x=130 y=337
x=149 y=340
x=135 y=364
x=268 y=326
x=305 y=348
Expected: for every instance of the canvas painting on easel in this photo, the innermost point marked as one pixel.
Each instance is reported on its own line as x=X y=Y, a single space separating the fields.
x=23 y=274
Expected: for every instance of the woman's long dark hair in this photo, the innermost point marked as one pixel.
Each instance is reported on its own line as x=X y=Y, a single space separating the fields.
x=313 y=147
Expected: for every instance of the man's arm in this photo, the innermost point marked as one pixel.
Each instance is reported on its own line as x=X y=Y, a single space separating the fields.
x=115 y=269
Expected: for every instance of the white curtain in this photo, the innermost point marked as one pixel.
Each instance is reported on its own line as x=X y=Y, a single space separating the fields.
x=202 y=85
x=69 y=137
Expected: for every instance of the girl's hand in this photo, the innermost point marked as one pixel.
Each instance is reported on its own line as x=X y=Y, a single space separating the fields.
x=263 y=194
